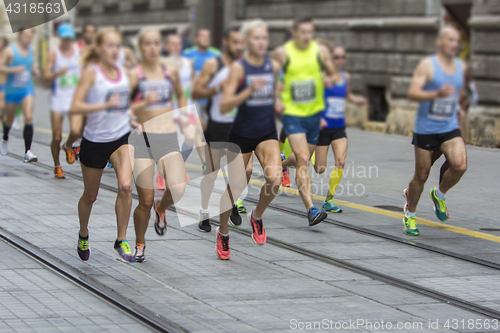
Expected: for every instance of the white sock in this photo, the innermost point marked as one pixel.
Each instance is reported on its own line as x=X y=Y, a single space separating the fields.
x=224 y=235
x=409 y=214
x=204 y=211
x=439 y=194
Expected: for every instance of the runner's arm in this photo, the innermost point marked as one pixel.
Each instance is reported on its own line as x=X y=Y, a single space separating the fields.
x=48 y=75
x=421 y=76
x=360 y=100
x=181 y=98
x=130 y=58
x=200 y=89
x=278 y=103
x=330 y=68
x=79 y=104
x=229 y=98
x=5 y=57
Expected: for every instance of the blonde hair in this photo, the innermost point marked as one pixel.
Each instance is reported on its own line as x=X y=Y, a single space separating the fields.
x=143 y=31
x=249 y=26
x=90 y=55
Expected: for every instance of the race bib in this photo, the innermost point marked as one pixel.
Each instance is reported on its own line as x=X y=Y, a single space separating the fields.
x=163 y=91
x=303 y=92
x=68 y=81
x=265 y=96
x=22 y=80
x=335 y=108
x=443 y=108
x=124 y=104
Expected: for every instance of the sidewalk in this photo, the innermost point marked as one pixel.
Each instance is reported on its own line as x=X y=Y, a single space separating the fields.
x=261 y=288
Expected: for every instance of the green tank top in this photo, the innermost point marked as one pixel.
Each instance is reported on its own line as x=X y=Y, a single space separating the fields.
x=303 y=81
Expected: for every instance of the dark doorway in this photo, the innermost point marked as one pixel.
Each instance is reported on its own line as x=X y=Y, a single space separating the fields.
x=379 y=107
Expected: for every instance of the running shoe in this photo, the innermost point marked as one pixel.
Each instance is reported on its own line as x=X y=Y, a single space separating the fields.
x=30 y=157
x=222 y=245
x=285 y=181
x=329 y=206
x=241 y=208
x=188 y=179
x=258 y=233
x=70 y=158
x=406 y=193
x=160 y=182
x=204 y=167
x=83 y=248
x=109 y=165
x=410 y=224
x=235 y=218
x=439 y=206
x=123 y=250
x=4 y=148
x=139 y=253
x=76 y=152
x=204 y=225
x=315 y=216
x=160 y=221
x=58 y=173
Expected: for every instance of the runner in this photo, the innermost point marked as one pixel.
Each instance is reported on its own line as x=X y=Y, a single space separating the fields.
x=89 y=31
x=4 y=42
x=209 y=85
x=157 y=144
x=303 y=60
x=333 y=128
x=437 y=84
x=251 y=87
x=103 y=95
x=185 y=118
x=76 y=121
x=17 y=61
x=63 y=71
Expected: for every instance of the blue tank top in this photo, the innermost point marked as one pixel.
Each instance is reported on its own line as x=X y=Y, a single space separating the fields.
x=255 y=118
x=19 y=82
x=335 y=98
x=440 y=115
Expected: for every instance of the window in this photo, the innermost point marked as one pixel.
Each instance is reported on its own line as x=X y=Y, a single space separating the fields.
x=378 y=102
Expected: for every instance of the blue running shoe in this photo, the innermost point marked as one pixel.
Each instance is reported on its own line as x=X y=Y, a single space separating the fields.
x=283 y=157
x=329 y=206
x=315 y=216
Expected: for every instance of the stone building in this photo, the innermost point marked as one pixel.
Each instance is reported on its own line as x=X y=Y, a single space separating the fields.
x=385 y=40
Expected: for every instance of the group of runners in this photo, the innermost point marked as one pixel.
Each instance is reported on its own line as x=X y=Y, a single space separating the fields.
x=127 y=114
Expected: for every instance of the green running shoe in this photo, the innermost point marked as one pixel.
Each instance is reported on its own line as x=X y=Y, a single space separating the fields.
x=411 y=227
x=329 y=206
x=241 y=208
x=439 y=206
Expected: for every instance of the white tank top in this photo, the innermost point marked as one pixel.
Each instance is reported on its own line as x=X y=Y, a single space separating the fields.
x=215 y=115
x=108 y=125
x=122 y=58
x=64 y=86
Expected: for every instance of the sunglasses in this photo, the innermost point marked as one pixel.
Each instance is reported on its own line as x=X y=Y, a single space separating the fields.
x=337 y=57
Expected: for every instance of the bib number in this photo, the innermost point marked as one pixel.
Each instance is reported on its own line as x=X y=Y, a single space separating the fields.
x=163 y=92
x=335 y=108
x=443 y=108
x=21 y=80
x=303 y=92
x=68 y=81
x=124 y=104
x=265 y=96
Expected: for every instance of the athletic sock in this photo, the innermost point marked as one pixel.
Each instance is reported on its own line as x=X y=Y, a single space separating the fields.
x=28 y=136
x=186 y=151
x=409 y=214
x=335 y=179
x=223 y=235
x=204 y=211
x=439 y=194
x=83 y=238
x=6 y=130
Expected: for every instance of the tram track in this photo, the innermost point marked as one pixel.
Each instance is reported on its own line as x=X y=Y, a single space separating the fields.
x=387 y=279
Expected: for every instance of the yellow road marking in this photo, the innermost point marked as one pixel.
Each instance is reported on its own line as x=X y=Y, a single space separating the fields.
x=43 y=130
x=442 y=226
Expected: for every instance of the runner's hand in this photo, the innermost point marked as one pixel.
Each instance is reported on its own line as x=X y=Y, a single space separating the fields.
x=328 y=81
x=152 y=97
x=460 y=113
x=62 y=71
x=278 y=106
x=257 y=85
x=361 y=100
x=136 y=126
x=446 y=91
x=18 y=69
x=322 y=124
x=114 y=101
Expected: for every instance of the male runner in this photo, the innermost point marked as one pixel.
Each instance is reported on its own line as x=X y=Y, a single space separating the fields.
x=437 y=83
x=303 y=61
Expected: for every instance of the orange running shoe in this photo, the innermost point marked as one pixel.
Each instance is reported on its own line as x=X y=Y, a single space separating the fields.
x=58 y=173
x=285 y=182
x=222 y=245
x=160 y=182
x=70 y=158
x=258 y=233
x=160 y=221
x=188 y=179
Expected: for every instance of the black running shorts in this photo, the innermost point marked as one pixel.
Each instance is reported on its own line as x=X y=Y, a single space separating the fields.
x=96 y=154
x=217 y=132
x=248 y=145
x=432 y=142
x=327 y=135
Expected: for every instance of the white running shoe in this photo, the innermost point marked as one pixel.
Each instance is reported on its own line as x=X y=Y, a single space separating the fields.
x=4 y=148
x=30 y=157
